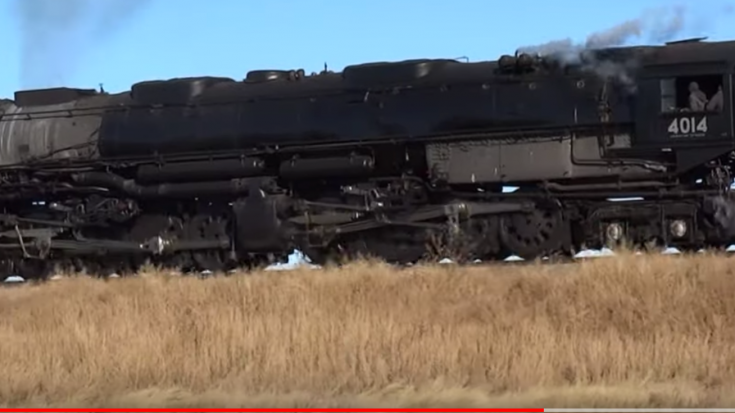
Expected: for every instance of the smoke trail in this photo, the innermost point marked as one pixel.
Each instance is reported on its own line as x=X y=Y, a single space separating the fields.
x=653 y=26
x=55 y=34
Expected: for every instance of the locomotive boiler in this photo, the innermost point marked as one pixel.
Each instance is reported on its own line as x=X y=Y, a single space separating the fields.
x=395 y=159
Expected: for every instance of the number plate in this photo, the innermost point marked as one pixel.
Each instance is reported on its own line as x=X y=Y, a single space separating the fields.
x=688 y=127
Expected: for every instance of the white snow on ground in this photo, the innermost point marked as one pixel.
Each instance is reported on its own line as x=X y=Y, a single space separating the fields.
x=299 y=260
x=296 y=260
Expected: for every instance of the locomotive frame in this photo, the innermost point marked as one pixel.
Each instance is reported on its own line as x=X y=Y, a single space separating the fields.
x=393 y=159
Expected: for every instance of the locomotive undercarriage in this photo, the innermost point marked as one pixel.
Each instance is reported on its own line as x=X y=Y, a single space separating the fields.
x=98 y=223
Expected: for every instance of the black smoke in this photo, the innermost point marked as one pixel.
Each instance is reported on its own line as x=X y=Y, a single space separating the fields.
x=56 y=34
x=654 y=26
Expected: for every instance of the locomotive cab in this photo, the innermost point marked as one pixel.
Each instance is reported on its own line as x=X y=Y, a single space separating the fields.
x=684 y=100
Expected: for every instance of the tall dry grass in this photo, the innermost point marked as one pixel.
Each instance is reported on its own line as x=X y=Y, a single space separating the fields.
x=628 y=331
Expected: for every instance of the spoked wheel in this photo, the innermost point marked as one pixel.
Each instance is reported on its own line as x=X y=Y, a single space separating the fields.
x=532 y=235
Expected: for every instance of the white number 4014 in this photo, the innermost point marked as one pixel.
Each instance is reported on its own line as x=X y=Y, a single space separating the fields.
x=685 y=126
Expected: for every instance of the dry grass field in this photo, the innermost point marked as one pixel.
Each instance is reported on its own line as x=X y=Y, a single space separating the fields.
x=651 y=331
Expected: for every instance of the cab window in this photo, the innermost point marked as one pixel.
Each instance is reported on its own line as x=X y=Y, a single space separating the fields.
x=692 y=94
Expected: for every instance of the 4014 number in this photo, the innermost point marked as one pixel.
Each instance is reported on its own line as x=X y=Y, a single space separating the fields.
x=688 y=126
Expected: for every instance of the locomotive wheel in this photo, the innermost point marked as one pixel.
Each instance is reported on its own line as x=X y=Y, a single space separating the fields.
x=207 y=228
x=403 y=247
x=393 y=248
x=34 y=269
x=477 y=239
x=152 y=225
x=534 y=234
x=484 y=238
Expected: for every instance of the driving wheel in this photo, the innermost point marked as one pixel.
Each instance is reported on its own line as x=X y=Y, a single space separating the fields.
x=533 y=234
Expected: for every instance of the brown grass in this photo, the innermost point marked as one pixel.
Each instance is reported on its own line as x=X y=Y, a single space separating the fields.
x=628 y=331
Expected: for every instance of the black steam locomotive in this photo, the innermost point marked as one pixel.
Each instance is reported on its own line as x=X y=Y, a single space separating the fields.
x=398 y=160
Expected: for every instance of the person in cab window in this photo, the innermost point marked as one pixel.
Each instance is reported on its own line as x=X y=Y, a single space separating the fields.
x=697 y=98
x=716 y=103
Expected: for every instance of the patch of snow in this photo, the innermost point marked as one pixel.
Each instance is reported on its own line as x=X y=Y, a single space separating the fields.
x=296 y=260
x=587 y=254
x=14 y=279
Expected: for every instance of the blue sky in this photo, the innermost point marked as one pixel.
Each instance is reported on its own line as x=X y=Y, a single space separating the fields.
x=172 y=38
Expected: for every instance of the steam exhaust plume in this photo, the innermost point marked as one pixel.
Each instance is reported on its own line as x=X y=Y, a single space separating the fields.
x=56 y=34
x=653 y=26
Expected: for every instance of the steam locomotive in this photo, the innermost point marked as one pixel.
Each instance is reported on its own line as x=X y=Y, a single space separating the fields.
x=398 y=160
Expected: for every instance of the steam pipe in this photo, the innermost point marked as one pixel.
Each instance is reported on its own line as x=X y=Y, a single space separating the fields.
x=182 y=190
x=349 y=166
x=614 y=185
x=200 y=170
